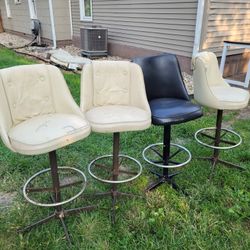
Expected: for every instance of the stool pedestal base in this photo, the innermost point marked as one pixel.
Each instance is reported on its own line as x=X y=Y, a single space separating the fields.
x=55 y=197
x=115 y=172
x=216 y=140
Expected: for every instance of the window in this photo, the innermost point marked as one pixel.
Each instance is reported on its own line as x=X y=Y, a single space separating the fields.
x=32 y=8
x=7 y=5
x=86 y=10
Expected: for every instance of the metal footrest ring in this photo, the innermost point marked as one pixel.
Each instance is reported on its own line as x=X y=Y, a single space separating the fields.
x=135 y=173
x=202 y=132
x=172 y=163
x=27 y=190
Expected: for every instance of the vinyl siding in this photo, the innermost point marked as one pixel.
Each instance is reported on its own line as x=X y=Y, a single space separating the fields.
x=42 y=8
x=225 y=20
x=21 y=21
x=62 y=19
x=160 y=25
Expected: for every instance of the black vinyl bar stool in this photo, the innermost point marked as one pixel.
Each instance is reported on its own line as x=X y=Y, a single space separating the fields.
x=170 y=104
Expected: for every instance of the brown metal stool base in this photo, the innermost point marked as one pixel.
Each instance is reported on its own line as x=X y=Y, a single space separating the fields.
x=216 y=161
x=56 y=200
x=114 y=195
x=114 y=175
x=58 y=214
x=215 y=143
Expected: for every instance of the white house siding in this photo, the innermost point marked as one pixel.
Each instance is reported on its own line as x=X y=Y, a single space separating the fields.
x=159 y=25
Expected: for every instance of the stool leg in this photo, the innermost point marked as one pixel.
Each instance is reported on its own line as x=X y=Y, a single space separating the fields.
x=166 y=146
x=116 y=148
x=216 y=141
x=165 y=176
x=55 y=178
x=57 y=192
x=215 y=158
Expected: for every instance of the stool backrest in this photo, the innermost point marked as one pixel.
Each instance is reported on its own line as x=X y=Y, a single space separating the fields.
x=206 y=75
x=112 y=83
x=162 y=76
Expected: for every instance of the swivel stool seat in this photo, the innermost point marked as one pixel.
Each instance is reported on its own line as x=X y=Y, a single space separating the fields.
x=114 y=100
x=212 y=91
x=38 y=115
x=170 y=105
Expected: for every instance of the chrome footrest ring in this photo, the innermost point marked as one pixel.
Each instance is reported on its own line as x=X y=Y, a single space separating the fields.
x=25 y=187
x=136 y=174
x=203 y=130
x=176 y=165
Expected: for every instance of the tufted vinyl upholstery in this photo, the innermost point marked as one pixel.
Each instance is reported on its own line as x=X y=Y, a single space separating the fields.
x=210 y=89
x=113 y=96
x=37 y=111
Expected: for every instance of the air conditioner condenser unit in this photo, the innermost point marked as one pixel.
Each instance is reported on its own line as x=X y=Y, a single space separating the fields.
x=94 y=41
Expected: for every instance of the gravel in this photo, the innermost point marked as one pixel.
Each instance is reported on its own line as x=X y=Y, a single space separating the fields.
x=14 y=42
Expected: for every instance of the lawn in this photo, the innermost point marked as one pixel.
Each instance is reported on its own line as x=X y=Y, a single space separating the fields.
x=212 y=215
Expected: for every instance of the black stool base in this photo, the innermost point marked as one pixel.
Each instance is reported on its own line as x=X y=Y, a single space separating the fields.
x=163 y=178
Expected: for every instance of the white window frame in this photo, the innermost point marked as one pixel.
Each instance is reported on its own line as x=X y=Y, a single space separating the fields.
x=32 y=8
x=8 y=11
x=82 y=12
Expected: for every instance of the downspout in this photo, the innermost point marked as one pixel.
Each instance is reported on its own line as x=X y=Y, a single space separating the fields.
x=198 y=27
x=53 y=31
x=70 y=16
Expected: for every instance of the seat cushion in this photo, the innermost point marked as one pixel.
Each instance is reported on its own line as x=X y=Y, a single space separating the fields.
x=230 y=98
x=118 y=118
x=172 y=111
x=45 y=133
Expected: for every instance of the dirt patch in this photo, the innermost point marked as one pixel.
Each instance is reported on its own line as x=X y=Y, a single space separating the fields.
x=6 y=199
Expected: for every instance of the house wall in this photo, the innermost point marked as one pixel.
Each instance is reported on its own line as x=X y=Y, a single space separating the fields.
x=62 y=19
x=227 y=20
x=20 y=21
x=143 y=25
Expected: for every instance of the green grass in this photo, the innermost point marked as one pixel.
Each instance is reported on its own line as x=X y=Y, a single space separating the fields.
x=214 y=215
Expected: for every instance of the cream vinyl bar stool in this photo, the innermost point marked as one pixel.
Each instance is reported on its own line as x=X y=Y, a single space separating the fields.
x=114 y=100
x=212 y=91
x=38 y=115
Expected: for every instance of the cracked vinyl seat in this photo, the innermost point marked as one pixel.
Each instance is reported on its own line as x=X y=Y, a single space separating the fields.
x=169 y=104
x=38 y=115
x=45 y=133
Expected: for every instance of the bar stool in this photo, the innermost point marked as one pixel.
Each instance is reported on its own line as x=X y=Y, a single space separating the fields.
x=38 y=115
x=114 y=100
x=212 y=91
x=170 y=105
